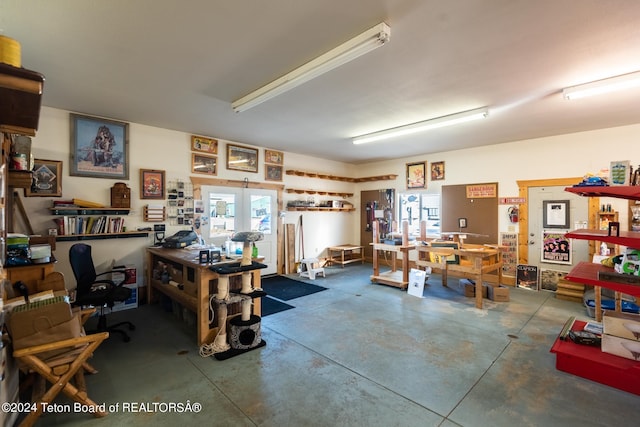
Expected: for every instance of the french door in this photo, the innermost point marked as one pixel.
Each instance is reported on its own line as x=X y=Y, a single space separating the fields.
x=242 y=209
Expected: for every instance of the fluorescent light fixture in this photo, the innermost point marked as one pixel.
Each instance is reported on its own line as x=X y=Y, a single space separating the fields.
x=348 y=51
x=625 y=81
x=438 y=122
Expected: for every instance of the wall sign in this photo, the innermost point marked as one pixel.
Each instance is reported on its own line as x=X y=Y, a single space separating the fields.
x=480 y=191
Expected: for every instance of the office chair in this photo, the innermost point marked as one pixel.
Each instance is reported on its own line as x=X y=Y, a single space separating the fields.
x=97 y=292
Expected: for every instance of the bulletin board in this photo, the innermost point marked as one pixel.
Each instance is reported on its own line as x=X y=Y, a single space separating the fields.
x=479 y=209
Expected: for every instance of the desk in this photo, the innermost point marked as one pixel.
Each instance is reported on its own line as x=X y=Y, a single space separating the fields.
x=399 y=279
x=474 y=262
x=345 y=254
x=199 y=284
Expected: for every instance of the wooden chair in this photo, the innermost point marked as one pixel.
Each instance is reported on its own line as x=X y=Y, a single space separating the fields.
x=60 y=370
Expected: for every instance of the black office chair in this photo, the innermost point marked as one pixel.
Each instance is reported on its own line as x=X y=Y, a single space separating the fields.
x=97 y=292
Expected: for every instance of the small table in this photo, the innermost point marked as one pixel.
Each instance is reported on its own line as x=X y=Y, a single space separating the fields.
x=345 y=254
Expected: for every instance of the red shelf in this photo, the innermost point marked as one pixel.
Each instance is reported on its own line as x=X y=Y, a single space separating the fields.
x=587 y=273
x=626 y=238
x=591 y=363
x=622 y=192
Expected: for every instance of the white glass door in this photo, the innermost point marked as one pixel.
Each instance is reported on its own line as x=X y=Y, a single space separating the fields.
x=242 y=209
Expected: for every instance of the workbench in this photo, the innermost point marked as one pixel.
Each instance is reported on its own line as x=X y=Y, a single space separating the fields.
x=471 y=261
x=345 y=254
x=198 y=283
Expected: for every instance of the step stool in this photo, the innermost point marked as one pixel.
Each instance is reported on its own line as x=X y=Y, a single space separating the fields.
x=311 y=269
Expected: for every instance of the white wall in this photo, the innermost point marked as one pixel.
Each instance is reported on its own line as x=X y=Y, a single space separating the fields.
x=155 y=148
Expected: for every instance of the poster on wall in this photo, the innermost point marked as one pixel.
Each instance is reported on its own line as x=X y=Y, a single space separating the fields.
x=556 y=248
x=549 y=279
x=509 y=241
x=527 y=277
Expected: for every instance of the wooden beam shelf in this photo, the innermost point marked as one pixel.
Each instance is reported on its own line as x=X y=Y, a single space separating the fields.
x=340 y=178
x=320 y=208
x=321 y=193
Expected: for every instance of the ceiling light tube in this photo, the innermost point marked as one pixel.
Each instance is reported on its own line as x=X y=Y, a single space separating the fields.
x=348 y=51
x=625 y=81
x=412 y=128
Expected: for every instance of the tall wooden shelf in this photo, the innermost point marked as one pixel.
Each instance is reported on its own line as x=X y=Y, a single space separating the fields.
x=598 y=366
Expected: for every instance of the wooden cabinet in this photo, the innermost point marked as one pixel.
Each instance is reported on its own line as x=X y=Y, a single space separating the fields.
x=605 y=218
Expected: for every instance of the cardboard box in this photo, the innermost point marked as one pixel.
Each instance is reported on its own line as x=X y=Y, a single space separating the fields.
x=498 y=293
x=132 y=302
x=622 y=325
x=629 y=349
x=468 y=288
x=129 y=277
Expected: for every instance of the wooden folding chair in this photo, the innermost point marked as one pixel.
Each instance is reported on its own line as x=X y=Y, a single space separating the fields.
x=61 y=369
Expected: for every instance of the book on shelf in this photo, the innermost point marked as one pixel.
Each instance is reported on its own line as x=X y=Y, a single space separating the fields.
x=71 y=225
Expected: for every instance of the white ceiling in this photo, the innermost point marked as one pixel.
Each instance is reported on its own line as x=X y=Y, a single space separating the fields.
x=179 y=65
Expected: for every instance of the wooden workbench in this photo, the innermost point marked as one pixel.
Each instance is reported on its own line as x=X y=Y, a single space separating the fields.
x=399 y=279
x=472 y=261
x=199 y=283
x=345 y=254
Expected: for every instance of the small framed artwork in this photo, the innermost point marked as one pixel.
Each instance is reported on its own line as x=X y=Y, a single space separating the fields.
x=99 y=148
x=205 y=145
x=462 y=222
x=152 y=184
x=416 y=177
x=437 y=171
x=273 y=157
x=46 y=179
x=272 y=172
x=555 y=213
x=202 y=163
x=242 y=158
x=619 y=173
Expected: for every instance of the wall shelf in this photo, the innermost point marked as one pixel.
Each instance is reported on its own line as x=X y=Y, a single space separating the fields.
x=89 y=211
x=340 y=178
x=321 y=193
x=318 y=208
x=123 y=235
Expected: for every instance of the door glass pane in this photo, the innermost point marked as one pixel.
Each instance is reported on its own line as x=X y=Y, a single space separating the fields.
x=261 y=213
x=223 y=214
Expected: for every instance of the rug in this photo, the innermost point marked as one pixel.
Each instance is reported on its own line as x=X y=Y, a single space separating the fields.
x=272 y=306
x=285 y=289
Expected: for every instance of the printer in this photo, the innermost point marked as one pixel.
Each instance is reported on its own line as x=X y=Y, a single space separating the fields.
x=181 y=239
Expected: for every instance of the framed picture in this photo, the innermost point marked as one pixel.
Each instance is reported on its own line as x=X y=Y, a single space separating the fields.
x=151 y=184
x=619 y=173
x=556 y=248
x=437 y=171
x=46 y=179
x=205 y=145
x=242 y=158
x=202 y=163
x=273 y=172
x=416 y=175
x=273 y=157
x=462 y=222
x=99 y=148
x=555 y=213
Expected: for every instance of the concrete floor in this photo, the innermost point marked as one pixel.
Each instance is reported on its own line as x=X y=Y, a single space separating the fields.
x=359 y=354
